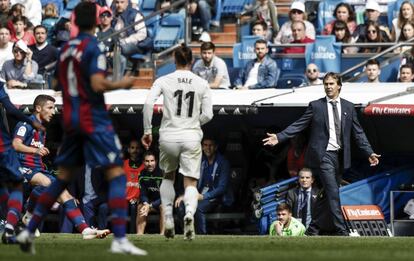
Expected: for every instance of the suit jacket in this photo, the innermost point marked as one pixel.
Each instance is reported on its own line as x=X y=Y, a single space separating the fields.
x=293 y=196
x=316 y=117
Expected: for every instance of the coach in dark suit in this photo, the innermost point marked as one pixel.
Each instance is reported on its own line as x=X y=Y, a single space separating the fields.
x=332 y=120
x=303 y=199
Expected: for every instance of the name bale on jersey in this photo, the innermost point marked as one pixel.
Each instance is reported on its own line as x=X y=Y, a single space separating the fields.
x=185 y=80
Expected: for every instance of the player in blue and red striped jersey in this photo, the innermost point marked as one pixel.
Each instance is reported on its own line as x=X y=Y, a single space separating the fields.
x=89 y=135
x=30 y=145
x=11 y=173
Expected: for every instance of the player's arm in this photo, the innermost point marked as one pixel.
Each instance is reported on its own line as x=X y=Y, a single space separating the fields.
x=19 y=146
x=100 y=84
x=148 y=111
x=206 y=107
x=5 y=100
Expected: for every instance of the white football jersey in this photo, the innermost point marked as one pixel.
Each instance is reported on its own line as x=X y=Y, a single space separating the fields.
x=186 y=106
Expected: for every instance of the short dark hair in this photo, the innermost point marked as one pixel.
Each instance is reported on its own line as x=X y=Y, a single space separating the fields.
x=407 y=66
x=305 y=170
x=183 y=55
x=262 y=23
x=336 y=76
x=39 y=26
x=207 y=46
x=373 y=62
x=20 y=18
x=282 y=207
x=42 y=99
x=85 y=16
x=260 y=41
x=149 y=153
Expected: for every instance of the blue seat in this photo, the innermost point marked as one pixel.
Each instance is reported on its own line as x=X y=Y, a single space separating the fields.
x=290 y=80
x=231 y=7
x=72 y=4
x=148 y=6
x=170 y=30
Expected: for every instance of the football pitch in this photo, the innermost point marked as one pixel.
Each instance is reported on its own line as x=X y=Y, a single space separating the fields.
x=61 y=247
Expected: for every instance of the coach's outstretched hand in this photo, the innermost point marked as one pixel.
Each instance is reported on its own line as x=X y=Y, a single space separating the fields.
x=270 y=140
x=374 y=159
x=146 y=141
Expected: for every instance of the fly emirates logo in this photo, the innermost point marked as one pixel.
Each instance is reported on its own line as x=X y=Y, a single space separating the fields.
x=358 y=213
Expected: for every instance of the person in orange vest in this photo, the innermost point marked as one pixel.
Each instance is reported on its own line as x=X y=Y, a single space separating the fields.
x=132 y=167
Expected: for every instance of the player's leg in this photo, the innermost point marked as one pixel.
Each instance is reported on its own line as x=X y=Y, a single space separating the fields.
x=14 y=206
x=4 y=197
x=190 y=162
x=162 y=222
x=141 y=221
x=104 y=149
x=118 y=208
x=12 y=175
x=169 y=156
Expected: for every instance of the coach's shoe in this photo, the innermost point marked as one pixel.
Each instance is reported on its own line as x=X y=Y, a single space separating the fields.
x=169 y=231
x=26 y=219
x=189 y=233
x=25 y=240
x=92 y=233
x=8 y=238
x=123 y=246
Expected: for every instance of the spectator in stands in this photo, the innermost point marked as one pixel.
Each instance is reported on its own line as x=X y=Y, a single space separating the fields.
x=21 y=32
x=312 y=74
x=408 y=58
x=44 y=54
x=264 y=13
x=201 y=10
x=126 y=15
x=406 y=73
x=342 y=34
x=299 y=37
x=33 y=10
x=345 y=13
x=6 y=46
x=373 y=35
x=212 y=68
x=4 y=12
x=259 y=28
x=372 y=15
x=407 y=32
x=133 y=167
x=286 y=225
x=63 y=31
x=22 y=69
x=302 y=200
x=50 y=19
x=373 y=71
x=212 y=185
x=406 y=14
x=296 y=13
x=150 y=200
x=105 y=29
x=258 y=73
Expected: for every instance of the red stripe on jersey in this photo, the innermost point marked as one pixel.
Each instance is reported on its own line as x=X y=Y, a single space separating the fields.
x=67 y=105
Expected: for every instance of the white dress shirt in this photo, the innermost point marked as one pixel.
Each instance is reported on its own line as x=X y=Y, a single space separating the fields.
x=333 y=143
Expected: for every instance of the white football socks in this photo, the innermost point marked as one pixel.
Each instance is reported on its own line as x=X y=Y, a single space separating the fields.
x=190 y=199
x=167 y=194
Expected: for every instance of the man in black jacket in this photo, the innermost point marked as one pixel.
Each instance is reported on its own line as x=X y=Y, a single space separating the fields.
x=303 y=199
x=332 y=120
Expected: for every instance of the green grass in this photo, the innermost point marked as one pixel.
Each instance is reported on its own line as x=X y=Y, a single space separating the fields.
x=61 y=247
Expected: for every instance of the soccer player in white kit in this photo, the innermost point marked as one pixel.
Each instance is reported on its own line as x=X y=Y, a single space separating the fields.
x=186 y=106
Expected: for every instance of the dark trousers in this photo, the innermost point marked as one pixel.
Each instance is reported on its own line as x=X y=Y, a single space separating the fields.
x=328 y=209
x=203 y=207
x=132 y=211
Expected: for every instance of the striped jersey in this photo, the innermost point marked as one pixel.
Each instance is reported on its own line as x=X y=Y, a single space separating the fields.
x=84 y=109
x=31 y=138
